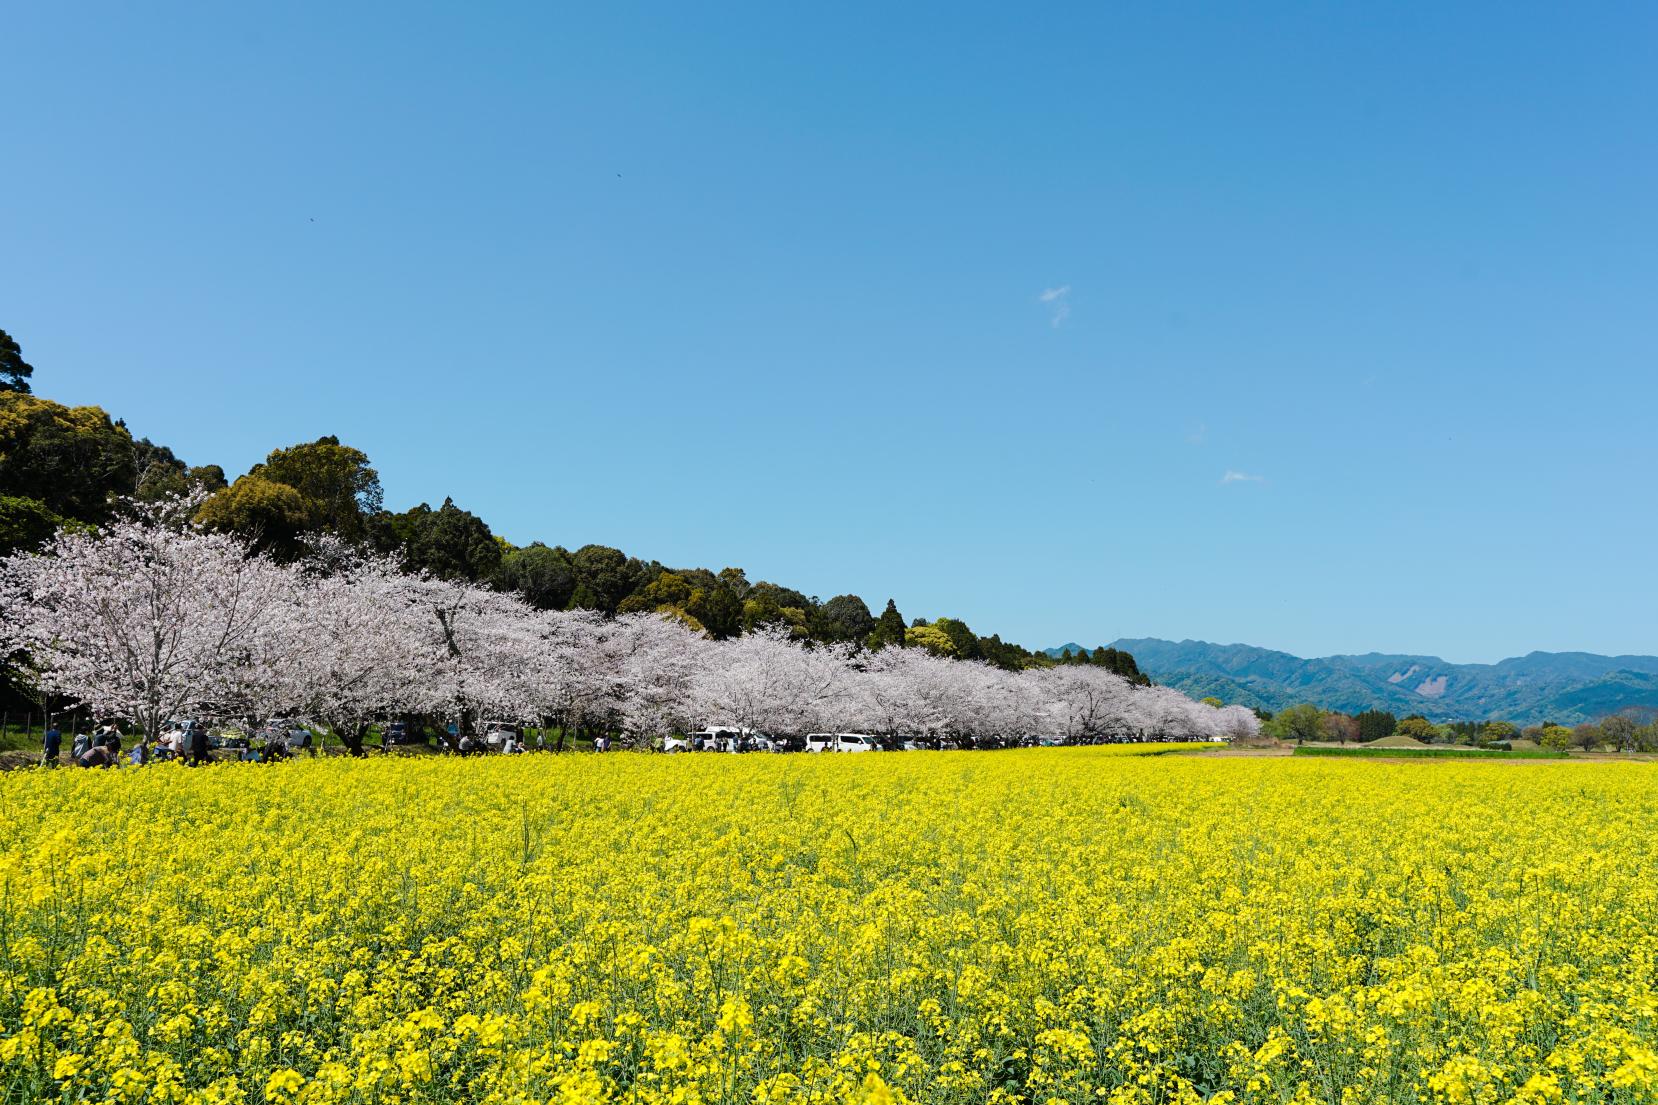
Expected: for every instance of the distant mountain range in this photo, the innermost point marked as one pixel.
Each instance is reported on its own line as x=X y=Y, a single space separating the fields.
x=1565 y=687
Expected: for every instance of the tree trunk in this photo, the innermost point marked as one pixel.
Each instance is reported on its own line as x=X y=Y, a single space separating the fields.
x=152 y=730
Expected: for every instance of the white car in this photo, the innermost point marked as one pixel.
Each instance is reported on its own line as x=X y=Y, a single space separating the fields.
x=497 y=733
x=179 y=727
x=725 y=738
x=840 y=742
x=293 y=733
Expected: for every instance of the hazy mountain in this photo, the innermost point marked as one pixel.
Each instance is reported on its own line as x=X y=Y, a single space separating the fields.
x=1563 y=686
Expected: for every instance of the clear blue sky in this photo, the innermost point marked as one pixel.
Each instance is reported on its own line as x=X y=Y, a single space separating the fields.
x=765 y=286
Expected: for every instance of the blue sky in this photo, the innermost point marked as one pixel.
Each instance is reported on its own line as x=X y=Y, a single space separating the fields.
x=976 y=307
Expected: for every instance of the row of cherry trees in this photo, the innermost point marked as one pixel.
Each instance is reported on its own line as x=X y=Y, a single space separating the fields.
x=148 y=619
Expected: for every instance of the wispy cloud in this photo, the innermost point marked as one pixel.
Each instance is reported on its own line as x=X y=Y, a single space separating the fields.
x=1058 y=301
x=1241 y=477
x=1197 y=434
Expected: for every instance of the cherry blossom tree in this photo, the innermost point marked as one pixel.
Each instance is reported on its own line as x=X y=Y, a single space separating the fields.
x=144 y=619
x=151 y=617
x=766 y=683
x=1236 y=723
x=357 y=645
x=474 y=641
x=887 y=695
x=1088 y=704
x=570 y=670
x=659 y=660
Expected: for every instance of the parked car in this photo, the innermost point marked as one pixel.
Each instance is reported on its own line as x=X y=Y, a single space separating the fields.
x=497 y=733
x=303 y=738
x=178 y=733
x=841 y=742
x=723 y=738
x=292 y=733
x=179 y=726
x=726 y=738
x=747 y=741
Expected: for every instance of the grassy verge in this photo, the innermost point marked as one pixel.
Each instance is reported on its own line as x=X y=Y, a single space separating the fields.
x=16 y=738
x=1431 y=753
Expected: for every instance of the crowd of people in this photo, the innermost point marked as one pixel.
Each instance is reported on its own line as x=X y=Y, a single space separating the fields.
x=99 y=748
x=102 y=746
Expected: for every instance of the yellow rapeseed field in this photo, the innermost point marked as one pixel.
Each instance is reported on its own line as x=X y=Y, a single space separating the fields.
x=1063 y=925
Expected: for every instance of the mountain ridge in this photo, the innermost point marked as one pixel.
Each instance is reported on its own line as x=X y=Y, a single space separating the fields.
x=1565 y=687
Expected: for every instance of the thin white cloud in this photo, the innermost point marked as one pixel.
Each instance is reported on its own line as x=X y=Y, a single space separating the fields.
x=1056 y=298
x=1241 y=477
x=1197 y=434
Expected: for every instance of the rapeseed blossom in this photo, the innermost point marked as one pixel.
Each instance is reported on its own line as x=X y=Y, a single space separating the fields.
x=1042 y=926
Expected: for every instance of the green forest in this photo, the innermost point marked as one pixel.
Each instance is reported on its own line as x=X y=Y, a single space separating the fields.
x=71 y=466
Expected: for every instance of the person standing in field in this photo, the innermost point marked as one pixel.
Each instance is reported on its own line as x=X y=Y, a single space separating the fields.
x=53 y=746
x=198 y=745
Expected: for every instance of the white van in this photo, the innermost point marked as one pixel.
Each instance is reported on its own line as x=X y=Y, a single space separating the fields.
x=840 y=742
x=498 y=733
x=725 y=738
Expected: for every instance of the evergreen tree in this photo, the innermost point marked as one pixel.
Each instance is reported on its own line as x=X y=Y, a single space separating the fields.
x=14 y=370
x=1376 y=724
x=964 y=642
x=889 y=628
x=843 y=618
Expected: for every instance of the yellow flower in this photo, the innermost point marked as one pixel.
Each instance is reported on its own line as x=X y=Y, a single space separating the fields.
x=1076 y=925
x=283 y=1084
